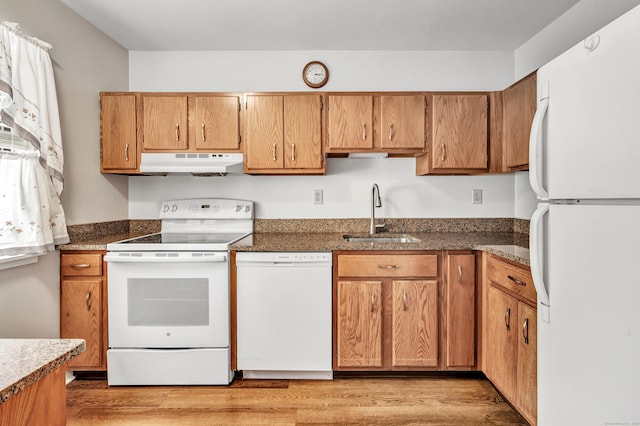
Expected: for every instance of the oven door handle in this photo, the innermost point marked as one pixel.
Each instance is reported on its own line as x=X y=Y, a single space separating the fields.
x=164 y=259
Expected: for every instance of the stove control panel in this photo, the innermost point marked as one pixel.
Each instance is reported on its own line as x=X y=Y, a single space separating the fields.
x=206 y=208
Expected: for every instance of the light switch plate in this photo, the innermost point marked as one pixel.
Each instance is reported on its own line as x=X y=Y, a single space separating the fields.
x=317 y=196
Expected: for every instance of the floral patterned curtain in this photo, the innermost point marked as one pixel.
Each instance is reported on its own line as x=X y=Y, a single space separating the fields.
x=31 y=216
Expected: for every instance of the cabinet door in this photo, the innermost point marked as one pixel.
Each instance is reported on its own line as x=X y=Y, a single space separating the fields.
x=80 y=318
x=527 y=371
x=118 y=132
x=350 y=122
x=216 y=123
x=402 y=121
x=519 y=108
x=461 y=312
x=165 y=123
x=415 y=323
x=502 y=329
x=264 y=132
x=460 y=131
x=359 y=324
x=303 y=135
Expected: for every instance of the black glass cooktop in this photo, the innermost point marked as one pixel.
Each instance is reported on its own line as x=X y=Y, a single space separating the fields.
x=194 y=238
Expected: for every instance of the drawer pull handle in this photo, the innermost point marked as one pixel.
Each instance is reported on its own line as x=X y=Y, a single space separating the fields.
x=404 y=301
x=275 y=157
x=87 y=301
x=177 y=132
x=390 y=131
x=389 y=266
x=80 y=265
x=126 y=152
x=203 y=133
x=460 y=274
x=525 y=330
x=517 y=281
x=373 y=302
x=507 y=319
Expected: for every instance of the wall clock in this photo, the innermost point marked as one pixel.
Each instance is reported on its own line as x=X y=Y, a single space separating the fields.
x=315 y=74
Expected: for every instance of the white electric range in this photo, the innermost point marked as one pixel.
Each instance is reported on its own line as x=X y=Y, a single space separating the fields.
x=168 y=296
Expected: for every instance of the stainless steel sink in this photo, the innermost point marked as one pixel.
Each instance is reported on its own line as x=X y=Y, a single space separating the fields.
x=403 y=238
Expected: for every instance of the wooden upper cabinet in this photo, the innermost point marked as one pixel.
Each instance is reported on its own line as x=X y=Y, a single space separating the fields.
x=519 y=107
x=350 y=122
x=118 y=133
x=216 y=123
x=458 y=135
x=165 y=123
x=402 y=121
x=460 y=131
x=303 y=132
x=264 y=132
x=359 y=324
x=283 y=133
x=415 y=336
x=460 y=310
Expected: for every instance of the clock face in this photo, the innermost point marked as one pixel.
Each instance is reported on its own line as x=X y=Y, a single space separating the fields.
x=315 y=74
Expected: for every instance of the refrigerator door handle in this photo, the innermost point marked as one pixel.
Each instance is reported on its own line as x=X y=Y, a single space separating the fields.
x=536 y=244
x=536 y=150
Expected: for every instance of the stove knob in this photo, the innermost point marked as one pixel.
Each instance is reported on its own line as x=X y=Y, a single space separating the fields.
x=247 y=208
x=174 y=208
x=238 y=207
x=165 y=208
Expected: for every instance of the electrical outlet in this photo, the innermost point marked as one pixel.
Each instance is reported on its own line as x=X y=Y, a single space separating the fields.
x=476 y=196
x=317 y=196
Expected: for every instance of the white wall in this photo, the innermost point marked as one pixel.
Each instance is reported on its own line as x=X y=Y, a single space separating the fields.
x=347 y=192
x=347 y=184
x=85 y=63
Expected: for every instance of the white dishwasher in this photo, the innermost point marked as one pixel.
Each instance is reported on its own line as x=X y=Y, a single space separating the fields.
x=284 y=315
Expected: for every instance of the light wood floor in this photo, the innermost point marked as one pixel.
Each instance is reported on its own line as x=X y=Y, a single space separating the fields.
x=346 y=401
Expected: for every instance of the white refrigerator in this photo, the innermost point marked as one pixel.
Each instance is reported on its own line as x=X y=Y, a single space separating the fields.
x=585 y=233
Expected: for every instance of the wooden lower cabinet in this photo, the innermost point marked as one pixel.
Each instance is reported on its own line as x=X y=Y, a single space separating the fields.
x=386 y=317
x=414 y=323
x=359 y=320
x=460 y=310
x=83 y=307
x=510 y=334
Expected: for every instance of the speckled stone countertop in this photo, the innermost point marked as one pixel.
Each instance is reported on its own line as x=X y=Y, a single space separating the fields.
x=510 y=245
x=25 y=361
x=506 y=237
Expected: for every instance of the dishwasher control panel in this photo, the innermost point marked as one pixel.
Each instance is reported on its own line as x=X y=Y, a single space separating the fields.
x=302 y=257
x=283 y=257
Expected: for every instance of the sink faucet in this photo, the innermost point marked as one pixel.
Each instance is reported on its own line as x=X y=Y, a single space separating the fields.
x=375 y=202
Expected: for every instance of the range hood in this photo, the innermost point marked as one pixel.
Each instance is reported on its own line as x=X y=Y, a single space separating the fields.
x=195 y=163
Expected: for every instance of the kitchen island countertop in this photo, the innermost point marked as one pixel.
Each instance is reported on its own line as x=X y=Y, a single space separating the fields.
x=25 y=361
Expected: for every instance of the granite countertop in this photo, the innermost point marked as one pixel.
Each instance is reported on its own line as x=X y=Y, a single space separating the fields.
x=507 y=244
x=25 y=361
x=497 y=236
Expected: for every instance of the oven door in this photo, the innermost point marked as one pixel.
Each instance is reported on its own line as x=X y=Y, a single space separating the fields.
x=168 y=299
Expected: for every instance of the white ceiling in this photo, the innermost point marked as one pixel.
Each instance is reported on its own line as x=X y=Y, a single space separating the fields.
x=320 y=24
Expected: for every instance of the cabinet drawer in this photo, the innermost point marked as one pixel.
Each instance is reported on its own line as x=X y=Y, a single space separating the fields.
x=85 y=264
x=511 y=277
x=406 y=265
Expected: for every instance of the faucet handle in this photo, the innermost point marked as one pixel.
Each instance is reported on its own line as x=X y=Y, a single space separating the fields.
x=380 y=226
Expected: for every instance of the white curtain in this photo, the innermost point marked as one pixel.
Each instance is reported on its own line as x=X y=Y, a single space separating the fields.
x=31 y=215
